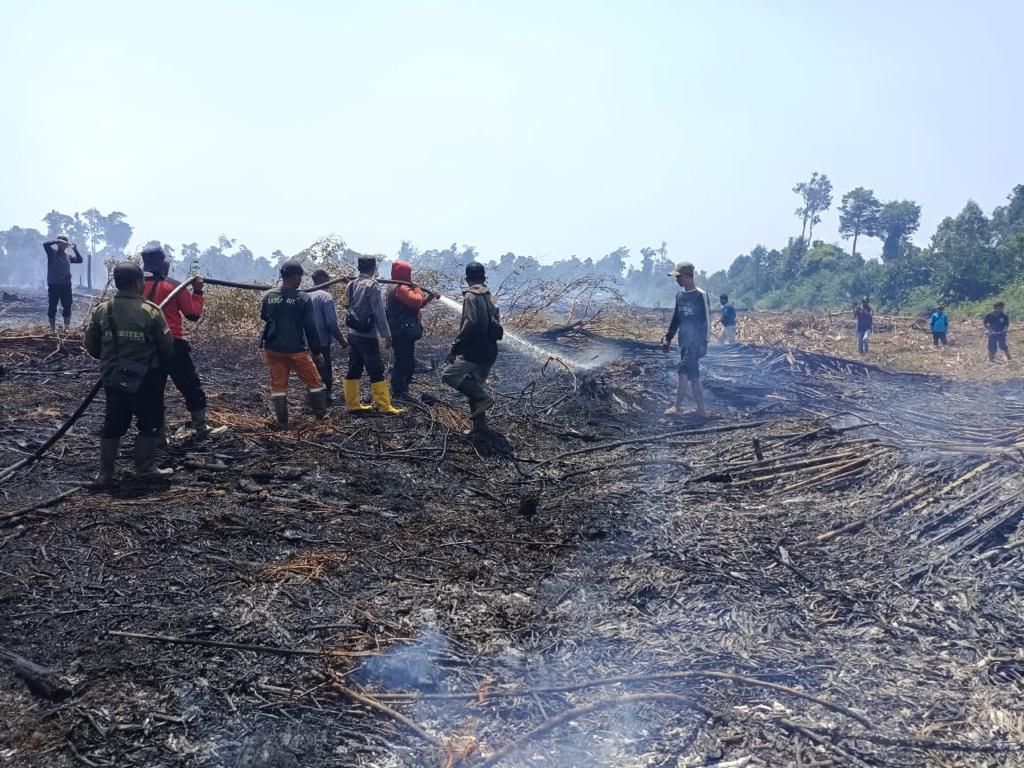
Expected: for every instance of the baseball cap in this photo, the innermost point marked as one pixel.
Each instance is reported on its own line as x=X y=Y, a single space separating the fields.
x=682 y=268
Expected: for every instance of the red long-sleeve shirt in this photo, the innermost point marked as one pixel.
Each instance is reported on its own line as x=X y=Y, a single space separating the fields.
x=412 y=298
x=185 y=303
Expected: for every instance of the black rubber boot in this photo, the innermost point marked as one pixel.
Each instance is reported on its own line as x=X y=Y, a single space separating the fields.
x=145 y=460
x=280 y=413
x=108 y=461
x=199 y=423
x=318 y=403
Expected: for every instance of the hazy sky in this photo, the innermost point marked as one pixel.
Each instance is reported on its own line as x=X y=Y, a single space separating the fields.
x=544 y=128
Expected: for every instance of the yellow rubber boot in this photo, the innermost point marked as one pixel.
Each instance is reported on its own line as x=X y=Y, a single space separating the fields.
x=382 y=398
x=352 y=402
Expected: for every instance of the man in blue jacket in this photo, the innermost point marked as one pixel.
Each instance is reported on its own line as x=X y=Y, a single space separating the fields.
x=939 y=325
x=728 y=321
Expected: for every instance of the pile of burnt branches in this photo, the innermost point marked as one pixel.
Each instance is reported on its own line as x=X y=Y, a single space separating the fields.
x=825 y=572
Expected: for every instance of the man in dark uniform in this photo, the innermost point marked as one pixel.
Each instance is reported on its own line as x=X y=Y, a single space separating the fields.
x=475 y=348
x=130 y=338
x=997 y=322
x=291 y=343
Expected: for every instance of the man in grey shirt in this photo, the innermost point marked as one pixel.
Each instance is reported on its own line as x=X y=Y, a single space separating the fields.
x=368 y=331
x=60 y=255
x=325 y=317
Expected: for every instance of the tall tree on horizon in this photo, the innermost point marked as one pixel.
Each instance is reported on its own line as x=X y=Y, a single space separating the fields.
x=858 y=215
x=817 y=197
x=897 y=221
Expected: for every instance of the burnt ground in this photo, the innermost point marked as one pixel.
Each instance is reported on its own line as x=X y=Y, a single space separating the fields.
x=826 y=572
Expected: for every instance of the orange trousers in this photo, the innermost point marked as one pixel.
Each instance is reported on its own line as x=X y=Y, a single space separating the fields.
x=281 y=364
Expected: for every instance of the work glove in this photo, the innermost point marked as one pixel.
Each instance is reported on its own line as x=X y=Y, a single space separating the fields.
x=450 y=358
x=318 y=359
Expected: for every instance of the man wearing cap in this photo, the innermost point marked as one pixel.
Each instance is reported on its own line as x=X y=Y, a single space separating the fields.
x=60 y=255
x=865 y=318
x=188 y=305
x=475 y=348
x=290 y=343
x=997 y=322
x=939 y=324
x=692 y=319
x=325 y=317
x=368 y=331
x=130 y=338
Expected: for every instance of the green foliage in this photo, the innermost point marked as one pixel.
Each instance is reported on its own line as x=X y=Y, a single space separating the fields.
x=817 y=198
x=858 y=215
x=897 y=221
x=1012 y=295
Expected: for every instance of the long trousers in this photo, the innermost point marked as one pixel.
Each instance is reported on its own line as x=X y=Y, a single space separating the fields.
x=58 y=294
x=364 y=353
x=939 y=337
x=405 y=363
x=326 y=369
x=146 y=405
x=997 y=341
x=183 y=373
x=281 y=364
x=468 y=378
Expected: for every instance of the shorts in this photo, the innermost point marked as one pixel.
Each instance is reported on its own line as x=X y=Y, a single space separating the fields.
x=689 y=362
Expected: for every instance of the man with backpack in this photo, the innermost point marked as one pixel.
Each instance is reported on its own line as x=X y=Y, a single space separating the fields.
x=476 y=347
x=290 y=343
x=130 y=338
x=403 y=306
x=188 y=305
x=368 y=332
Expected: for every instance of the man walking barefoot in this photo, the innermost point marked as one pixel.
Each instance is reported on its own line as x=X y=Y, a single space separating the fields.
x=692 y=319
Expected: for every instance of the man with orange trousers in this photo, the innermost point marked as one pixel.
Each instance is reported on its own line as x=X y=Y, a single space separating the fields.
x=290 y=343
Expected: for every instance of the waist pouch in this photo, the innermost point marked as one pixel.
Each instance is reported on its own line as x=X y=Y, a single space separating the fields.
x=127 y=375
x=357 y=325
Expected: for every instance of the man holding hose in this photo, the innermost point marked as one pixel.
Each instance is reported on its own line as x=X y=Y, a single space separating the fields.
x=368 y=331
x=187 y=305
x=290 y=343
x=129 y=336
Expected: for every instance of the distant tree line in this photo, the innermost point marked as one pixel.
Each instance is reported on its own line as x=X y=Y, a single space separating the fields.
x=971 y=257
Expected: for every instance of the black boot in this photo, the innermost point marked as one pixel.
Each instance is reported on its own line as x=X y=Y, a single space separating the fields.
x=108 y=461
x=280 y=413
x=318 y=403
x=145 y=460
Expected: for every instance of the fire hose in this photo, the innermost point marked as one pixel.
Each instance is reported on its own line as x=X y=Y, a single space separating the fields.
x=84 y=405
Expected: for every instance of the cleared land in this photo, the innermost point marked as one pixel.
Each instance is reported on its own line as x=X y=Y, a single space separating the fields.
x=826 y=572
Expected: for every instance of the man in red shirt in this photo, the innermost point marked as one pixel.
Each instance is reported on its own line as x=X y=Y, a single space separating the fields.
x=187 y=304
x=403 y=306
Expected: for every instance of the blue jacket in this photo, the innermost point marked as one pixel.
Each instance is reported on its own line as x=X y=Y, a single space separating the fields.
x=728 y=314
x=939 y=322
